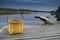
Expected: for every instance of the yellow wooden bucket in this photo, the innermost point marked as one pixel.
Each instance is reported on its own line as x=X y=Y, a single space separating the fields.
x=15 y=26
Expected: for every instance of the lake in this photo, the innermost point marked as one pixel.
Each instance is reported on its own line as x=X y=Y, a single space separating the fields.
x=28 y=18
x=41 y=5
x=31 y=32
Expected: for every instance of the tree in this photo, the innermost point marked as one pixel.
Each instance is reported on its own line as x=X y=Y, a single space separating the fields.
x=56 y=13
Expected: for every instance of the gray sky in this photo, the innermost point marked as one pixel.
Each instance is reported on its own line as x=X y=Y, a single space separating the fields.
x=30 y=4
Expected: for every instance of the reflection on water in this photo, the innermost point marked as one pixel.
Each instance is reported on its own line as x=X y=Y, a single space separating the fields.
x=28 y=18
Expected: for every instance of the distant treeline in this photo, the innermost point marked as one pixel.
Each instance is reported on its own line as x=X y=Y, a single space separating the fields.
x=11 y=10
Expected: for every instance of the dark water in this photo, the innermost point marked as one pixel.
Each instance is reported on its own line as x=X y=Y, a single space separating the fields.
x=28 y=18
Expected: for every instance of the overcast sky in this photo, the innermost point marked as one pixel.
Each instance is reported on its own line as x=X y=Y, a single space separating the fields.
x=30 y=4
